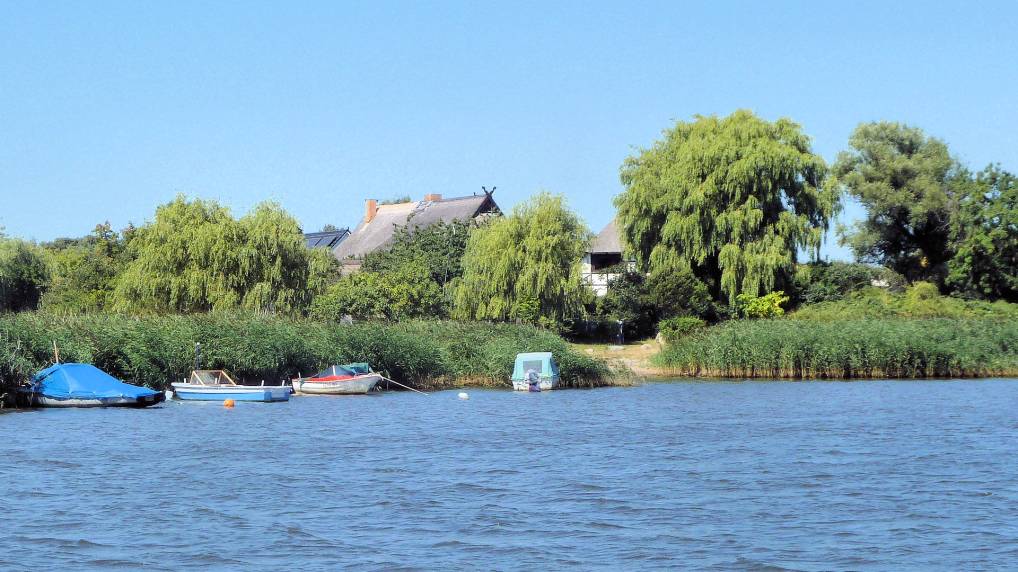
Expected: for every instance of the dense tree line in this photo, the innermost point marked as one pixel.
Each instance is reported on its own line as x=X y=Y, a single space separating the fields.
x=928 y=217
x=738 y=199
x=193 y=257
x=723 y=217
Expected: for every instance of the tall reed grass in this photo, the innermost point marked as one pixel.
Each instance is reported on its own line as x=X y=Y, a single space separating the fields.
x=860 y=348
x=155 y=351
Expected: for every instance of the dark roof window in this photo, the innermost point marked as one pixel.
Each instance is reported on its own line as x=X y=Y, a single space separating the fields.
x=329 y=239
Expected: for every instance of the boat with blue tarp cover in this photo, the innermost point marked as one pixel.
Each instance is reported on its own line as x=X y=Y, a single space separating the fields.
x=84 y=385
x=535 y=371
x=217 y=385
x=345 y=379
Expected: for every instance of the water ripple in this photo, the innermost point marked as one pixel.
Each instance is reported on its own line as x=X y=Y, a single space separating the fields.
x=729 y=476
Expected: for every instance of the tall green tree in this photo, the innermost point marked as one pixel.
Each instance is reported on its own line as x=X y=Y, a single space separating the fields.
x=184 y=261
x=84 y=271
x=733 y=199
x=195 y=257
x=24 y=275
x=905 y=180
x=984 y=237
x=525 y=266
x=279 y=273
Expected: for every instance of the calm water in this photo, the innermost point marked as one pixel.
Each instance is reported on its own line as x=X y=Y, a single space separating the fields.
x=768 y=475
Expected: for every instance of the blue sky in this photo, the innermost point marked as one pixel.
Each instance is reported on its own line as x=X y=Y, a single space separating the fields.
x=108 y=109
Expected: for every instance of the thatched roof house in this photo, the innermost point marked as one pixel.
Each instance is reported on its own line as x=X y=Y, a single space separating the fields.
x=376 y=230
x=605 y=253
x=608 y=242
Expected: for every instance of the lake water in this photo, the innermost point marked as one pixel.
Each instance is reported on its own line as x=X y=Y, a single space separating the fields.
x=748 y=476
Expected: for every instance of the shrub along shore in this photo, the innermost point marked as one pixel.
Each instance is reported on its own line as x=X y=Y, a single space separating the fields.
x=155 y=351
x=848 y=349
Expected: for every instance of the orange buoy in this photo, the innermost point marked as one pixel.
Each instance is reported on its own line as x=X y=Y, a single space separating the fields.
x=228 y=404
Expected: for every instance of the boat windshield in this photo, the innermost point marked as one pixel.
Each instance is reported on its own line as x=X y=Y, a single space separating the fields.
x=211 y=377
x=536 y=365
x=334 y=371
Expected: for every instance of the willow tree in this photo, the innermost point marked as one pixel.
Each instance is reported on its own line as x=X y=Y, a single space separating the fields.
x=195 y=257
x=732 y=199
x=280 y=273
x=525 y=266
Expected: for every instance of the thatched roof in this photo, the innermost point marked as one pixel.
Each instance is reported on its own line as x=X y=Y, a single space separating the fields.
x=607 y=241
x=377 y=233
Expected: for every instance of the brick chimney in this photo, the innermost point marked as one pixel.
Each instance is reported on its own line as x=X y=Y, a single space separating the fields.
x=370 y=209
x=433 y=197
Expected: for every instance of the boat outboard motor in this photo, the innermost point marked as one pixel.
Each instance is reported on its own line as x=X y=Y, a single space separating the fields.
x=533 y=380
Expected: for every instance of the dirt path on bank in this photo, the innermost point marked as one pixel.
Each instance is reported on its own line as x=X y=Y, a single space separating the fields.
x=634 y=356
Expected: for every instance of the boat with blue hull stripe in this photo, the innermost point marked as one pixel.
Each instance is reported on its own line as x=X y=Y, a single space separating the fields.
x=217 y=385
x=263 y=395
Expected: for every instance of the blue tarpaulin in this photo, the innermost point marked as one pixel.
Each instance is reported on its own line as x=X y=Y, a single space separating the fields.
x=83 y=381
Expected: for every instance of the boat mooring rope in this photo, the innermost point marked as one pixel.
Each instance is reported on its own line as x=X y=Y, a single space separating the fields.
x=404 y=386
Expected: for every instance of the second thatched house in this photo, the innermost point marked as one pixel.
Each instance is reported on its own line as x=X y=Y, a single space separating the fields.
x=604 y=259
x=378 y=227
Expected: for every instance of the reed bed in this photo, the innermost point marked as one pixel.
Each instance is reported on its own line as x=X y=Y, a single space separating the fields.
x=155 y=351
x=848 y=349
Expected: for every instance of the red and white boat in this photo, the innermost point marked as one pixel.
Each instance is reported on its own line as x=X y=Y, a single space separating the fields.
x=348 y=379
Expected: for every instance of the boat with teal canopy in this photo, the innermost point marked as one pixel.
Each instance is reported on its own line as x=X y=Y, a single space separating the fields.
x=84 y=385
x=535 y=371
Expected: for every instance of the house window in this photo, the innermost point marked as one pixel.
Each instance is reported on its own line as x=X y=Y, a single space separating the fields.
x=603 y=260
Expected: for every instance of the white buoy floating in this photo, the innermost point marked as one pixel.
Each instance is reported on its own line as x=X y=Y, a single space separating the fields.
x=463 y=395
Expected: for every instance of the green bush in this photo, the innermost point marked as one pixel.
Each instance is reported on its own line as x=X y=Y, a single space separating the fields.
x=679 y=292
x=827 y=281
x=403 y=293
x=674 y=329
x=196 y=257
x=766 y=306
x=920 y=301
x=157 y=350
